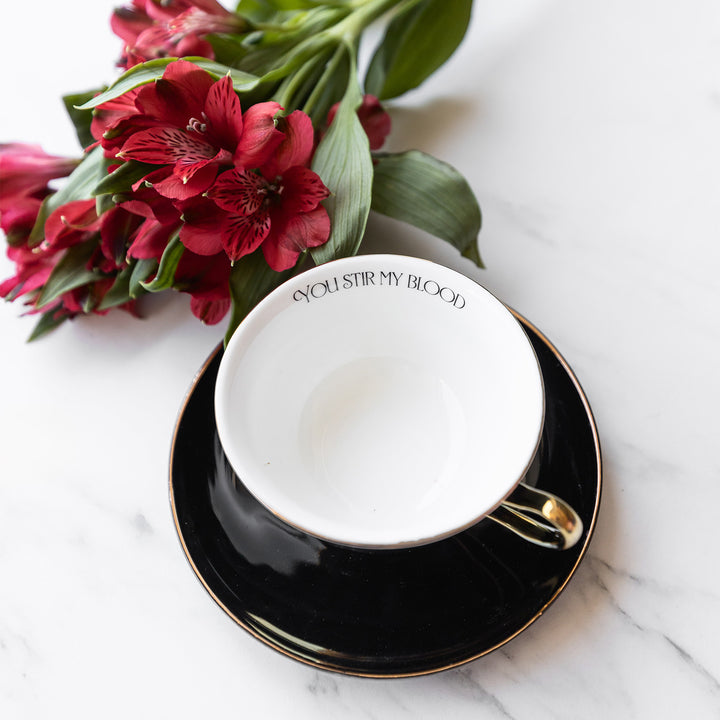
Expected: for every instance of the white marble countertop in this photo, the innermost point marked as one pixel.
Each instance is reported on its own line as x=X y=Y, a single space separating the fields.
x=590 y=132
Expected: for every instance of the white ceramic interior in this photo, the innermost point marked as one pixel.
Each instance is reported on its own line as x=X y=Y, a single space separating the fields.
x=380 y=401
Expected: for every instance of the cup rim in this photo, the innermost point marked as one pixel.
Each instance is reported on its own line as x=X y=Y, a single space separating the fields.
x=256 y=316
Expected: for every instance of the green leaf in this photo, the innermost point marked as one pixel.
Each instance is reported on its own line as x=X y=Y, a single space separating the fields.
x=78 y=186
x=142 y=270
x=299 y=85
x=329 y=89
x=227 y=50
x=251 y=280
x=168 y=265
x=80 y=118
x=291 y=4
x=119 y=292
x=153 y=70
x=71 y=272
x=420 y=190
x=298 y=33
x=123 y=178
x=416 y=43
x=48 y=321
x=103 y=203
x=261 y=8
x=255 y=10
x=344 y=163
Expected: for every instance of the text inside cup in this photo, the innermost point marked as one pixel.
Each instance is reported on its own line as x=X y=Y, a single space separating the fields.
x=367 y=278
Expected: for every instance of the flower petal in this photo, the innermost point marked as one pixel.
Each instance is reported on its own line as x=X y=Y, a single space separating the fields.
x=18 y=215
x=71 y=224
x=238 y=192
x=25 y=168
x=375 y=120
x=165 y=145
x=302 y=190
x=186 y=182
x=110 y=113
x=241 y=235
x=146 y=202
x=194 y=45
x=117 y=225
x=224 y=115
x=208 y=281
x=178 y=95
x=200 y=231
x=297 y=145
x=127 y=23
x=292 y=235
x=211 y=312
x=150 y=240
x=208 y=276
x=260 y=137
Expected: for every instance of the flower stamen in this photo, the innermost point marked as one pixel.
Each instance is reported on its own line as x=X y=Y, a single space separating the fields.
x=197 y=125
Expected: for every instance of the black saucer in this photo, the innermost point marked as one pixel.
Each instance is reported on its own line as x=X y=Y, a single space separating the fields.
x=381 y=613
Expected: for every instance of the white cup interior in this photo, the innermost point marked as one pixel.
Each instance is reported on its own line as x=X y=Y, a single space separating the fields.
x=380 y=401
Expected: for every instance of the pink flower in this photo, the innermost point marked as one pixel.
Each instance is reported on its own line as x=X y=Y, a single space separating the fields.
x=277 y=208
x=32 y=269
x=69 y=225
x=375 y=121
x=199 y=127
x=18 y=216
x=25 y=169
x=171 y=28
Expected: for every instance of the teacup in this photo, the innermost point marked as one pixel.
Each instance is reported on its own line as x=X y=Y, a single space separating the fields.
x=383 y=401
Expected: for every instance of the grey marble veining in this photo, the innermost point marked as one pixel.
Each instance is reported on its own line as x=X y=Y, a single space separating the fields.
x=589 y=132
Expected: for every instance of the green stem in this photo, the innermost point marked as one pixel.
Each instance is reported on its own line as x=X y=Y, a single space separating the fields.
x=365 y=13
x=343 y=34
x=292 y=84
x=330 y=69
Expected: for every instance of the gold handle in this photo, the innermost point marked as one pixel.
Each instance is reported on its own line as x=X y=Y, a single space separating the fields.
x=540 y=518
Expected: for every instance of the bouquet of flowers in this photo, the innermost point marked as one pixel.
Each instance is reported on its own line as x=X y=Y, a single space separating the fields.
x=233 y=146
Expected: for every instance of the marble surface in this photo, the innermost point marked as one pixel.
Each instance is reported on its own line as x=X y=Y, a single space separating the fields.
x=590 y=133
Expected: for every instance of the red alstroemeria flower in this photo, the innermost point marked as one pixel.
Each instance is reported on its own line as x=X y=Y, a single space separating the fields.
x=161 y=221
x=17 y=217
x=115 y=120
x=171 y=28
x=146 y=202
x=71 y=224
x=26 y=169
x=86 y=299
x=32 y=270
x=374 y=119
x=117 y=229
x=207 y=279
x=202 y=128
x=277 y=208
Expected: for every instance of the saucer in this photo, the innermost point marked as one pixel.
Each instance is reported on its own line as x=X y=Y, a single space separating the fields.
x=379 y=613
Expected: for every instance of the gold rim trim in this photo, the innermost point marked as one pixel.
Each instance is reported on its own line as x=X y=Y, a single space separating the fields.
x=418 y=673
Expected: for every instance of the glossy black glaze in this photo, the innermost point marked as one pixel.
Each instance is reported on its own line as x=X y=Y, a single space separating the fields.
x=378 y=612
